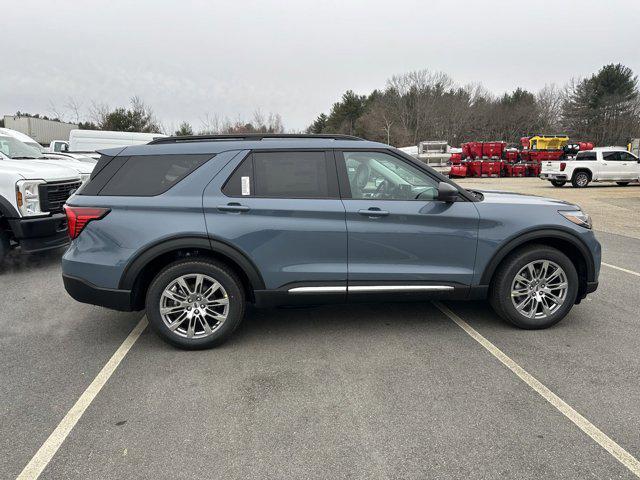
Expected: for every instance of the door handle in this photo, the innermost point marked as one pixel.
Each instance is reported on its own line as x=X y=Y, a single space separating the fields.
x=233 y=207
x=373 y=212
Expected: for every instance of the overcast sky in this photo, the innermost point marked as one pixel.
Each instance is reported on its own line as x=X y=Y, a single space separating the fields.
x=188 y=59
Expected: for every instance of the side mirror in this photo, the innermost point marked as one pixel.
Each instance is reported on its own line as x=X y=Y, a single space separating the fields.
x=447 y=192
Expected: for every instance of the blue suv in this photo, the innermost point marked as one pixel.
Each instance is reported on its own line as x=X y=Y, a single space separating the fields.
x=192 y=228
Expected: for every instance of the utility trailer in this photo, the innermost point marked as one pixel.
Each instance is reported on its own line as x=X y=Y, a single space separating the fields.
x=436 y=154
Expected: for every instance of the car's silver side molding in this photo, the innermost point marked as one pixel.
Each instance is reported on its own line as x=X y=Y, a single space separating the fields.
x=372 y=288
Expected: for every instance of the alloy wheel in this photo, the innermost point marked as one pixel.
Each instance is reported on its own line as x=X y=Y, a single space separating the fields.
x=194 y=305
x=539 y=289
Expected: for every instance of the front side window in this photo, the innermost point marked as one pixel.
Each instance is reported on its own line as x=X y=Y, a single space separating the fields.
x=283 y=174
x=611 y=156
x=381 y=176
x=627 y=157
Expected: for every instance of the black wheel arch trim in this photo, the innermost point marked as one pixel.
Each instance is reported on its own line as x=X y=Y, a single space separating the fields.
x=507 y=247
x=7 y=210
x=166 y=245
x=582 y=170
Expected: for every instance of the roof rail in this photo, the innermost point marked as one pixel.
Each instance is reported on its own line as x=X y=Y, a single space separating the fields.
x=249 y=136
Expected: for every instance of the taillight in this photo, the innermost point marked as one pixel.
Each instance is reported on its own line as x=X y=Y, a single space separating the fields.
x=78 y=217
x=563 y=165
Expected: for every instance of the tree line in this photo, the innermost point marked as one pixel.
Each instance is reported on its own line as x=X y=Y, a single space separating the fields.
x=423 y=105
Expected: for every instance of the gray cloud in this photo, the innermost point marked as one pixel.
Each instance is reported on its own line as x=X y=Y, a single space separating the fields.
x=191 y=58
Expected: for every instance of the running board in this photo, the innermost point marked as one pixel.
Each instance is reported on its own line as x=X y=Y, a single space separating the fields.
x=372 y=289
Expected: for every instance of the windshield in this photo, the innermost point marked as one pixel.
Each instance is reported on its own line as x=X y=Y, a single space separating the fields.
x=35 y=145
x=13 y=148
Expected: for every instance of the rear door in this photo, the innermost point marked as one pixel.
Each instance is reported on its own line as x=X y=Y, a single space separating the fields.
x=282 y=210
x=401 y=239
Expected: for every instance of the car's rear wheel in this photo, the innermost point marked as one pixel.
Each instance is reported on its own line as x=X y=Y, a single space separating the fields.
x=623 y=184
x=535 y=287
x=195 y=303
x=580 y=180
x=558 y=183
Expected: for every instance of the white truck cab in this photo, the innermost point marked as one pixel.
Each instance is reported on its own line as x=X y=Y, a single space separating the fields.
x=602 y=164
x=32 y=196
x=82 y=163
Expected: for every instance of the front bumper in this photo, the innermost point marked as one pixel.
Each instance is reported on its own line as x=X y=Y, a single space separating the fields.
x=86 y=292
x=39 y=234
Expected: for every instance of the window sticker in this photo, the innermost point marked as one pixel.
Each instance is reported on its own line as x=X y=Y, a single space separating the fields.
x=246 y=185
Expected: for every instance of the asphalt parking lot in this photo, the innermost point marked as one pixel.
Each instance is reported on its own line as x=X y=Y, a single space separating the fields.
x=356 y=391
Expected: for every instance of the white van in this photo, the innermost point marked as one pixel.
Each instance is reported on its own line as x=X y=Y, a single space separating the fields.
x=81 y=141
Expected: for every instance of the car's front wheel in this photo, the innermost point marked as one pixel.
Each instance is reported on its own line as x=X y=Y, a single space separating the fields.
x=195 y=303
x=534 y=287
x=558 y=183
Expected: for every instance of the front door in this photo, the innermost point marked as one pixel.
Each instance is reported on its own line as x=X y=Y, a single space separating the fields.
x=629 y=166
x=399 y=235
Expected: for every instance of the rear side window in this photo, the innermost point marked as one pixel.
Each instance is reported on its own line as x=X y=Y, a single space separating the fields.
x=586 y=156
x=290 y=174
x=149 y=175
x=611 y=156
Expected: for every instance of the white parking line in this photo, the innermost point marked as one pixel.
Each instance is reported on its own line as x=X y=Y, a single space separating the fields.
x=637 y=274
x=49 y=448
x=585 y=425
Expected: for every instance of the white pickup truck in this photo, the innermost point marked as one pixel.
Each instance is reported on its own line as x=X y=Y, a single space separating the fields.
x=32 y=196
x=602 y=164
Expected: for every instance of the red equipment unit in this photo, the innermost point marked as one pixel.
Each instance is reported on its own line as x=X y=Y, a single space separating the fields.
x=533 y=169
x=507 y=170
x=458 y=171
x=524 y=141
x=491 y=169
x=511 y=156
x=466 y=150
x=475 y=150
x=474 y=168
x=493 y=149
x=586 y=145
x=519 y=170
x=456 y=158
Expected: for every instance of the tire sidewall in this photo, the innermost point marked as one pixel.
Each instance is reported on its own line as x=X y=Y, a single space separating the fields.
x=577 y=176
x=228 y=281
x=514 y=266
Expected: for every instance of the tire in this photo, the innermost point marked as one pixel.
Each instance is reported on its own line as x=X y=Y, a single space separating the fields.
x=558 y=183
x=190 y=332
x=623 y=184
x=580 y=180
x=500 y=294
x=4 y=245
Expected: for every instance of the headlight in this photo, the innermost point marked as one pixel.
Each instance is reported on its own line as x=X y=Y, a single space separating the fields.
x=28 y=197
x=85 y=177
x=578 y=217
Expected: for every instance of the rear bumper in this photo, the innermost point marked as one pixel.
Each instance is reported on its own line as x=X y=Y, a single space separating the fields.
x=39 y=234
x=86 y=292
x=553 y=176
